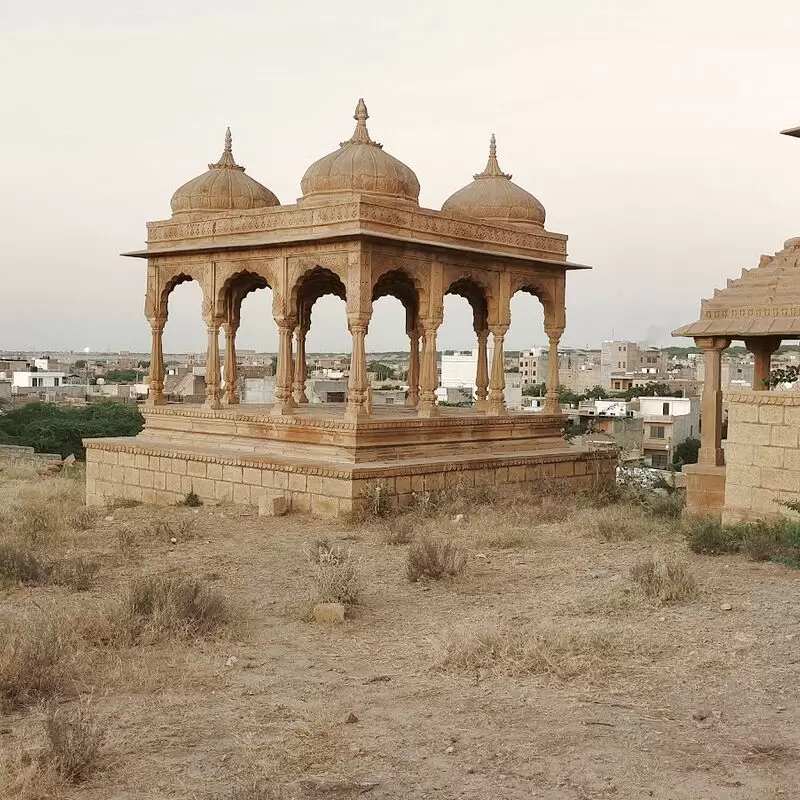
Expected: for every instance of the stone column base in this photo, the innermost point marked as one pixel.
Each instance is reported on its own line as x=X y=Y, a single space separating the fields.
x=705 y=490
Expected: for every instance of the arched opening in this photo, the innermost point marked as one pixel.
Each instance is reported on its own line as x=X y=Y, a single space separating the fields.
x=251 y=340
x=395 y=304
x=526 y=353
x=184 y=341
x=319 y=372
x=465 y=346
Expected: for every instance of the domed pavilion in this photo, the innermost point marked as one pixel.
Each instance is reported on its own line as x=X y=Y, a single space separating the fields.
x=359 y=233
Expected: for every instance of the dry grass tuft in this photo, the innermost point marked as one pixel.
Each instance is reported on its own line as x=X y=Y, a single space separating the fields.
x=337 y=577
x=84 y=518
x=73 y=743
x=622 y=523
x=400 y=530
x=504 y=539
x=76 y=572
x=37 y=659
x=20 y=565
x=665 y=581
x=529 y=650
x=434 y=560
x=161 y=607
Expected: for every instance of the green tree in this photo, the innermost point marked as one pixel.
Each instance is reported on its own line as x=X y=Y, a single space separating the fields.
x=652 y=389
x=80 y=364
x=535 y=390
x=596 y=393
x=686 y=453
x=382 y=371
x=49 y=428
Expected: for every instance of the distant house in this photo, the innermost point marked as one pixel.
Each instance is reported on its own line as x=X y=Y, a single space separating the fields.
x=37 y=380
x=667 y=421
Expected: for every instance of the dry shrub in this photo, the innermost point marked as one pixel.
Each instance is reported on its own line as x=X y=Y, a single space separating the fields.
x=84 y=518
x=666 y=504
x=160 y=607
x=34 y=518
x=20 y=565
x=37 y=659
x=620 y=523
x=76 y=572
x=113 y=503
x=73 y=742
x=665 y=581
x=434 y=559
x=530 y=650
x=337 y=577
x=707 y=535
x=504 y=539
x=400 y=530
x=181 y=528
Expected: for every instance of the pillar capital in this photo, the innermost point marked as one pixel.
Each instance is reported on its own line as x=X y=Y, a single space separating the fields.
x=762 y=344
x=157 y=323
x=554 y=333
x=498 y=330
x=430 y=324
x=712 y=342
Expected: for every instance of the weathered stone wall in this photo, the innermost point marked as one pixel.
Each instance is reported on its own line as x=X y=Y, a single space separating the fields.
x=762 y=454
x=131 y=472
x=14 y=455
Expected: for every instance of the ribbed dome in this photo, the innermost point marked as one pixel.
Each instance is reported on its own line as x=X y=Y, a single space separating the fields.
x=494 y=197
x=360 y=165
x=224 y=187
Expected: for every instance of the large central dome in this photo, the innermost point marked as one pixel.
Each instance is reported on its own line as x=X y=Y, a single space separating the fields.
x=360 y=166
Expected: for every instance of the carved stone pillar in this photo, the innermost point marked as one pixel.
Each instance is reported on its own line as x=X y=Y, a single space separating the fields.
x=155 y=395
x=413 y=368
x=230 y=396
x=212 y=365
x=284 y=403
x=762 y=348
x=553 y=379
x=357 y=388
x=497 y=382
x=300 y=370
x=711 y=452
x=482 y=372
x=428 y=380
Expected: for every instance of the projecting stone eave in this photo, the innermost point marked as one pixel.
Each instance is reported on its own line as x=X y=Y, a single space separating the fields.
x=360 y=216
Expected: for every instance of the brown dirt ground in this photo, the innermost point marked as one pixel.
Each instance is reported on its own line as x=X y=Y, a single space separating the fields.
x=187 y=721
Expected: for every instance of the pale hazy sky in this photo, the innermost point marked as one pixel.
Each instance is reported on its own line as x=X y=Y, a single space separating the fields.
x=649 y=130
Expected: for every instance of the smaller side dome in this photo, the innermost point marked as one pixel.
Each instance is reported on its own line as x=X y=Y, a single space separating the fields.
x=494 y=197
x=224 y=187
x=360 y=166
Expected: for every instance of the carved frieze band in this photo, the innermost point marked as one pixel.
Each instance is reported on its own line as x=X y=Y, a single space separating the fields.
x=289 y=219
x=763 y=398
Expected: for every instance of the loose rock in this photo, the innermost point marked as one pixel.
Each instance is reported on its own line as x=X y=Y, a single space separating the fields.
x=351 y=718
x=331 y=613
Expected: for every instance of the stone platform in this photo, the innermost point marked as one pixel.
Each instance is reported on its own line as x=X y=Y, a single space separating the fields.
x=322 y=463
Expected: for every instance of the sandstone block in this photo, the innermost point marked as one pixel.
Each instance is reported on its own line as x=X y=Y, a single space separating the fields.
x=768 y=456
x=146 y=479
x=214 y=472
x=241 y=494
x=202 y=487
x=738 y=453
x=738 y=495
x=764 y=500
x=131 y=476
x=272 y=506
x=329 y=613
x=297 y=482
x=232 y=474
x=742 y=412
x=141 y=462
x=772 y=415
x=737 y=473
x=173 y=483
x=791 y=460
x=251 y=476
x=781 y=479
x=126 y=459
x=223 y=491
x=403 y=483
x=280 y=480
x=324 y=506
x=197 y=469
x=301 y=502
x=791 y=416
x=783 y=436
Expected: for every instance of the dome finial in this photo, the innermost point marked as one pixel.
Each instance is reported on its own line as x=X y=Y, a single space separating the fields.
x=361 y=134
x=227 y=160
x=492 y=167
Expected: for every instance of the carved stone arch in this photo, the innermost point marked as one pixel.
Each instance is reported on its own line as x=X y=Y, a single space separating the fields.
x=545 y=289
x=400 y=284
x=235 y=280
x=474 y=287
x=310 y=286
x=387 y=272
x=300 y=267
x=172 y=276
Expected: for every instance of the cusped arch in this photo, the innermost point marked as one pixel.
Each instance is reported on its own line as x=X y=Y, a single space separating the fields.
x=314 y=283
x=476 y=292
x=235 y=287
x=546 y=292
x=168 y=284
x=398 y=283
x=392 y=274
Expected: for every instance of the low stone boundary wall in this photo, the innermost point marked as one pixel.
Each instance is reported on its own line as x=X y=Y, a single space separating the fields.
x=762 y=455
x=14 y=455
x=119 y=469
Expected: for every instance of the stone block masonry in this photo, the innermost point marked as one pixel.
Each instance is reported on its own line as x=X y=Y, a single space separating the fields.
x=762 y=470
x=162 y=477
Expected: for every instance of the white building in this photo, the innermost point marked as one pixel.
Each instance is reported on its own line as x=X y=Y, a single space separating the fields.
x=460 y=368
x=667 y=422
x=37 y=380
x=533 y=366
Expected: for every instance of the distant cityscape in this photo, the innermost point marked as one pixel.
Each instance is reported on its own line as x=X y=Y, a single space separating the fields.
x=644 y=399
